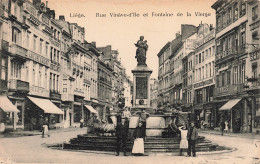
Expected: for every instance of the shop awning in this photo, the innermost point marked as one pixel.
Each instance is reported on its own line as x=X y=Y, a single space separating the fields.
x=46 y=105
x=91 y=109
x=6 y=105
x=230 y=104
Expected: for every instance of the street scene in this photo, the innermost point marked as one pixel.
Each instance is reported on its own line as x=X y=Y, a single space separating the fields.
x=101 y=82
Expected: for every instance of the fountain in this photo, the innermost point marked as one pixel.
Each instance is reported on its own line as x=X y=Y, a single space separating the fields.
x=157 y=139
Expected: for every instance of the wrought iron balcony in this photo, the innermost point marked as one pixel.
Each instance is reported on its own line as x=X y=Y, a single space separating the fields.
x=228 y=90
x=18 y=85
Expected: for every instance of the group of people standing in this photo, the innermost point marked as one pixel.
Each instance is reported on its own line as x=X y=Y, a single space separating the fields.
x=188 y=135
x=139 y=135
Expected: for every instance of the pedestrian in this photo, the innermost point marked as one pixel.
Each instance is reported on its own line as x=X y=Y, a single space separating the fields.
x=143 y=115
x=81 y=123
x=41 y=120
x=138 y=147
x=222 y=127
x=184 y=141
x=126 y=114
x=192 y=137
x=121 y=136
x=45 y=129
x=226 y=126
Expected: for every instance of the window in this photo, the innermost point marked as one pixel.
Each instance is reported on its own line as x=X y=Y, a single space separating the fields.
x=213 y=68
x=255 y=12
x=51 y=53
x=224 y=19
x=254 y=72
x=53 y=83
x=206 y=70
x=28 y=39
x=202 y=57
x=223 y=79
x=54 y=57
x=242 y=9
x=228 y=77
x=235 y=11
x=50 y=81
x=199 y=58
x=229 y=15
x=33 y=74
x=41 y=46
x=57 y=83
x=58 y=56
x=40 y=76
x=46 y=48
x=229 y=42
x=235 y=77
x=243 y=39
x=206 y=52
x=203 y=72
x=209 y=69
x=45 y=79
x=242 y=73
x=213 y=50
x=199 y=73
x=34 y=42
x=16 y=69
x=236 y=40
x=4 y=69
x=16 y=36
x=196 y=59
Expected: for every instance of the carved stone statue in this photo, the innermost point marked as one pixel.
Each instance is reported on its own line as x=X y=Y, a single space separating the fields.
x=141 y=51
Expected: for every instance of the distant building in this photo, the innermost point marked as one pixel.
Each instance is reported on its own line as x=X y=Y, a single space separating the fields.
x=154 y=93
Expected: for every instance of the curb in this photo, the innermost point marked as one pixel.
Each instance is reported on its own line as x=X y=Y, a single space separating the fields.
x=227 y=135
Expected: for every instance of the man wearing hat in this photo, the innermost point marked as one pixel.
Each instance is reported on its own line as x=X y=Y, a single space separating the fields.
x=121 y=136
x=192 y=137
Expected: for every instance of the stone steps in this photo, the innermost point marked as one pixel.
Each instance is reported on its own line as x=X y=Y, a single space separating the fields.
x=152 y=144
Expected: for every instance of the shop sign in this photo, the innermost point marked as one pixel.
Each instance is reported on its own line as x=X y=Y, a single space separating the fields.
x=254 y=55
x=203 y=83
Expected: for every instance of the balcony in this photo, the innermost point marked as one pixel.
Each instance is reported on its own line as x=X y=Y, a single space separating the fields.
x=67 y=97
x=18 y=85
x=228 y=90
x=18 y=50
x=229 y=52
x=55 y=95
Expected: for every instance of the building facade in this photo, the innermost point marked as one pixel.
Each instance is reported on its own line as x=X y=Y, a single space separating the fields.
x=235 y=40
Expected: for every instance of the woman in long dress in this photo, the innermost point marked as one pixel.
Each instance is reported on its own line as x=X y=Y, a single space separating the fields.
x=138 y=147
x=226 y=126
x=184 y=141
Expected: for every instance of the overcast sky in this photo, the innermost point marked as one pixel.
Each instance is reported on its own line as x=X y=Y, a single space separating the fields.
x=121 y=33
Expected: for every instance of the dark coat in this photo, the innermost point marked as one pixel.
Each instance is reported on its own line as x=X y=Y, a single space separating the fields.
x=192 y=135
x=138 y=133
x=122 y=130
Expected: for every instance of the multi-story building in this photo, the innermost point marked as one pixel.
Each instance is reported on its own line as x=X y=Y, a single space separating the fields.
x=188 y=79
x=111 y=57
x=105 y=75
x=204 y=75
x=31 y=63
x=164 y=71
x=254 y=63
x=128 y=91
x=234 y=41
x=153 y=93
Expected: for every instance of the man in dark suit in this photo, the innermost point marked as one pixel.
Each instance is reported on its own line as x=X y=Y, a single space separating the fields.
x=192 y=137
x=121 y=136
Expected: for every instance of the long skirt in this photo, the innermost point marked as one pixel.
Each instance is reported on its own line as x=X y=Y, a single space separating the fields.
x=184 y=144
x=138 y=147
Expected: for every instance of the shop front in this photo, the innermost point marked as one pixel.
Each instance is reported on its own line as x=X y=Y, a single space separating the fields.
x=37 y=108
x=232 y=112
x=8 y=114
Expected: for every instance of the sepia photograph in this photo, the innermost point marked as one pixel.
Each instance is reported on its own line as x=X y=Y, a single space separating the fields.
x=130 y=81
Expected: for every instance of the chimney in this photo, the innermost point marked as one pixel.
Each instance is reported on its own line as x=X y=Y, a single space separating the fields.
x=177 y=34
x=93 y=44
x=35 y=2
x=62 y=17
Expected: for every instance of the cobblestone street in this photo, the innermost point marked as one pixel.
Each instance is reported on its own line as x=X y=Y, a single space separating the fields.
x=32 y=149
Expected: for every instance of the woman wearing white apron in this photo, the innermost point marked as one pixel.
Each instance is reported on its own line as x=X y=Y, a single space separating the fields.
x=184 y=141
x=138 y=147
x=226 y=126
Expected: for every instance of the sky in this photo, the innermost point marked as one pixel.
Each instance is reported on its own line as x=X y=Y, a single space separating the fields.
x=123 y=32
